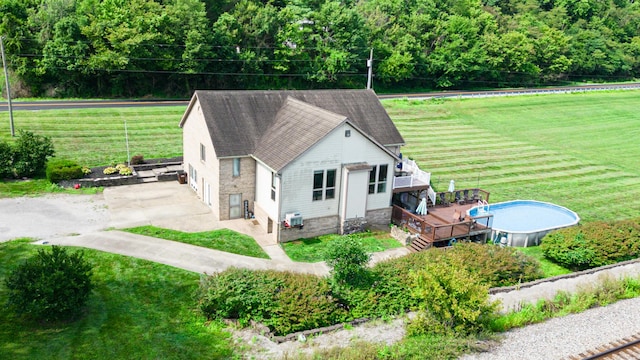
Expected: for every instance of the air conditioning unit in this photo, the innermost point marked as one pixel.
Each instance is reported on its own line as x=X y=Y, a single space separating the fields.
x=293 y=219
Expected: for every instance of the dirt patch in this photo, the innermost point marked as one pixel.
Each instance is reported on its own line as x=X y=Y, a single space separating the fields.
x=257 y=346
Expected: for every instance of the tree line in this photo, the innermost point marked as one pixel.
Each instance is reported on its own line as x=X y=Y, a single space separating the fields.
x=135 y=48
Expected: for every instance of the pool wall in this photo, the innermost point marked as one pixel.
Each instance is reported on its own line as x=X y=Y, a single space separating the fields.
x=530 y=237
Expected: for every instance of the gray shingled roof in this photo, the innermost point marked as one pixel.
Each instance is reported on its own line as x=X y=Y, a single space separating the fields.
x=238 y=120
x=301 y=125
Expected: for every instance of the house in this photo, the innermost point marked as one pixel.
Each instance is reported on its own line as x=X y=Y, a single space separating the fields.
x=303 y=163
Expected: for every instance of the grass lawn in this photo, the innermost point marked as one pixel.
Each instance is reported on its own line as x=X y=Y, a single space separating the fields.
x=222 y=239
x=548 y=267
x=37 y=186
x=138 y=310
x=96 y=136
x=576 y=150
x=313 y=249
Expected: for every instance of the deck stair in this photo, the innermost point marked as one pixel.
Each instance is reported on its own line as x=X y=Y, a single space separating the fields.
x=419 y=244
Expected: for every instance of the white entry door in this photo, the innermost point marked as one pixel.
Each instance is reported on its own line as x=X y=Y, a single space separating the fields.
x=355 y=197
x=235 y=206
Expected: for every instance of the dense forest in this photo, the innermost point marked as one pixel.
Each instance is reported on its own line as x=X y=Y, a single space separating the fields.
x=134 y=48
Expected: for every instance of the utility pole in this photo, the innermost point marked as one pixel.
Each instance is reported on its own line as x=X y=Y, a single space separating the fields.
x=126 y=139
x=6 y=80
x=370 y=71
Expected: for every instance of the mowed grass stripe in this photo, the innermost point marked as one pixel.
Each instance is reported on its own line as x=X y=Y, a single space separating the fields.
x=96 y=136
x=568 y=149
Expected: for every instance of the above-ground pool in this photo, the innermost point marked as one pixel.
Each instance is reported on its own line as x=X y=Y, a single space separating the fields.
x=524 y=222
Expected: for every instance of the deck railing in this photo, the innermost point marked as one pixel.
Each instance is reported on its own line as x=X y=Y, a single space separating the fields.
x=414 y=176
x=464 y=195
x=439 y=232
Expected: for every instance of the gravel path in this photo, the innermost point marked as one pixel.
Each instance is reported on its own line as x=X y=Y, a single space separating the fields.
x=570 y=335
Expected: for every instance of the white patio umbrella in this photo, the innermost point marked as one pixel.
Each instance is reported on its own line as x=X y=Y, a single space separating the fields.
x=422 y=207
x=452 y=186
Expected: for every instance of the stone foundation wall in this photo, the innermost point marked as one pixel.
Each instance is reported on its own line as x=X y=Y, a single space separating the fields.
x=311 y=228
x=353 y=226
x=379 y=219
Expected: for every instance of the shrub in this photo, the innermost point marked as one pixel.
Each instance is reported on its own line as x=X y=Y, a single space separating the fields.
x=86 y=170
x=30 y=153
x=137 y=160
x=453 y=296
x=593 y=244
x=304 y=302
x=61 y=169
x=109 y=170
x=6 y=160
x=347 y=260
x=284 y=301
x=52 y=285
x=496 y=265
x=238 y=294
x=125 y=171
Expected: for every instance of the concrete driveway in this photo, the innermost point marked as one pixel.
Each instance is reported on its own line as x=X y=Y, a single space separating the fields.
x=92 y=221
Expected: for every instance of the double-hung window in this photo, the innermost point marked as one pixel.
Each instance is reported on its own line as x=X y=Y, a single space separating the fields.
x=324 y=184
x=378 y=179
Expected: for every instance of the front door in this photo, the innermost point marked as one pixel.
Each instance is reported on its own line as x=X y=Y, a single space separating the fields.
x=235 y=206
x=354 y=203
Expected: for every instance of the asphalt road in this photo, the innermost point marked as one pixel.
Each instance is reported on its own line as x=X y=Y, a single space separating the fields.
x=77 y=104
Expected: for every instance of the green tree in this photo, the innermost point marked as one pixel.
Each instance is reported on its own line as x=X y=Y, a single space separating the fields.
x=348 y=261
x=53 y=285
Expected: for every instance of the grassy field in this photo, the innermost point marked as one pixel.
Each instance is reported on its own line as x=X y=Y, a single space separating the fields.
x=138 y=310
x=96 y=136
x=577 y=150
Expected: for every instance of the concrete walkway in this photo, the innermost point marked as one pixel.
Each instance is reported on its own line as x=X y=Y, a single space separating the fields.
x=174 y=206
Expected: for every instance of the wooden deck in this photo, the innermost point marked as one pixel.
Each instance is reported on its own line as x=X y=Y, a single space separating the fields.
x=442 y=224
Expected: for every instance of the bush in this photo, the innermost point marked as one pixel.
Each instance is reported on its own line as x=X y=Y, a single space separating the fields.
x=495 y=265
x=125 y=171
x=53 y=285
x=61 y=169
x=284 y=301
x=593 y=244
x=30 y=153
x=109 y=170
x=6 y=160
x=452 y=296
x=137 y=160
x=347 y=260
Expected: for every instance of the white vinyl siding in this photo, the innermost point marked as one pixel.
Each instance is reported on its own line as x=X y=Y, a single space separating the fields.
x=331 y=153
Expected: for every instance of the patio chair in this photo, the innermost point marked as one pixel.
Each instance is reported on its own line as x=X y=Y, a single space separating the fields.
x=476 y=195
x=458 y=198
x=443 y=199
x=466 y=194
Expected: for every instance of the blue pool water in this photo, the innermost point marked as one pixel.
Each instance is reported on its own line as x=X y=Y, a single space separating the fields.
x=524 y=222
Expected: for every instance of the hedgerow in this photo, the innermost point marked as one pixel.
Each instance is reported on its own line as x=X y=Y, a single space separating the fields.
x=288 y=302
x=593 y=244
